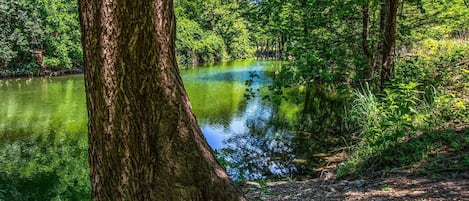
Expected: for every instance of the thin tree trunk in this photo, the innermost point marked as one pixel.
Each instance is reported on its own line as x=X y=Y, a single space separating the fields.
x=308 y=91
x=388 y=27
x=264 y=49
x=368 y=72
x=274 y=48
x=401 y=12
x=144 y=141
x=279 y=46
x=283 y=51
x=257 y=50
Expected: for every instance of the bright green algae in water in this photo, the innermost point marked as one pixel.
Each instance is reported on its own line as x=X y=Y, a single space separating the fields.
x=43 y=132
x=43 y=153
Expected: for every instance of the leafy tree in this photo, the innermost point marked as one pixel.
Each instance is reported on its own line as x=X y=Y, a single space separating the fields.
x=37 y=35
x=20 y=33
x=62 y=39
x=201 y=25
x=195 y=45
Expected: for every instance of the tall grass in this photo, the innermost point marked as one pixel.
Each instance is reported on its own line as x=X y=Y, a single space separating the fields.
x=383 y=122
x=424 y=114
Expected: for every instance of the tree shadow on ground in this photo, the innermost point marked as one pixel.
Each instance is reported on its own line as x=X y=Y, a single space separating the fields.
x=427 y=153
x=393 y=187
x=431 y=166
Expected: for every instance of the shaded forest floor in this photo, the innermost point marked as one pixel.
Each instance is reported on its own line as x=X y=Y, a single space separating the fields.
x=391 y=187
x=442 y=178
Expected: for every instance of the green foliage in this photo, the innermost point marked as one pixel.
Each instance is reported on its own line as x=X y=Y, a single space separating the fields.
x=433 y=20
x=439 y=63
x=210 y=31
x=195 y=45
x=20 y=33
x=321 y=39
x=414 y=122
x=45 y=34
x=444 y=66
x=63 y=39
x=39 y=34
x=383 y=123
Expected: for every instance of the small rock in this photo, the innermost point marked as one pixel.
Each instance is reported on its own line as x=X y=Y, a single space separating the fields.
x=453 y=193
x=359 y=183
x=253 y=184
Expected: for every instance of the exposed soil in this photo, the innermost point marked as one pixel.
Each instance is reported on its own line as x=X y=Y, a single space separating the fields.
x=405 y=183
x=392 y=187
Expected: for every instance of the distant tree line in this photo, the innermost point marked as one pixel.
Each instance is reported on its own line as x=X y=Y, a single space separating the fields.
x=341 y=41
x=211 y=31
x=42 y=36
x=39 y=35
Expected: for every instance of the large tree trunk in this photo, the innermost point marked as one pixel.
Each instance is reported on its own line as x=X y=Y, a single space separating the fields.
x=388 y=30
x=144 y=141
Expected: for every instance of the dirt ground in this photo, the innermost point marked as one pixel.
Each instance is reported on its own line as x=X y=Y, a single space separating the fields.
x=391 y=187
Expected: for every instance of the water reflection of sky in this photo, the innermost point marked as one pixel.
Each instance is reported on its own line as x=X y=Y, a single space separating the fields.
x=43 y=129
x=215 y=132
x=44 y=119
x=243 y=134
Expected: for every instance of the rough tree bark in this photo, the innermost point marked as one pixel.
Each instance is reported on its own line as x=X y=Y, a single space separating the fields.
x=144 y=141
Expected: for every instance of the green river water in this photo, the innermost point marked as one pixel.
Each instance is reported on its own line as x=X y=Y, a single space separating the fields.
x=43 y=132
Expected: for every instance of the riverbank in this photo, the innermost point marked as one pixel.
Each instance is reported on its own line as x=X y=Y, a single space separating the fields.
x=443 y=177
x=46 y=73
x=396 y=186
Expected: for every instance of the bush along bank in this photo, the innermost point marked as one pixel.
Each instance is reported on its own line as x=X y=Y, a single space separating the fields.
x=421 y=121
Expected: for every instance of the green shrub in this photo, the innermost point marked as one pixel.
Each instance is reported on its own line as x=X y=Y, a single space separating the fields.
x=418 y=114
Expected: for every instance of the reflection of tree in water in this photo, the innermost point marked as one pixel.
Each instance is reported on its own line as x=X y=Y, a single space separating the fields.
x=275 y=146
x=38 y=186
x=322 y=126
x=265 y=150
x=44 y=164
x=43 y=143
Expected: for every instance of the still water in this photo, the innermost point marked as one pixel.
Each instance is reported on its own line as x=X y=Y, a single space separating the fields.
x=43 y=133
